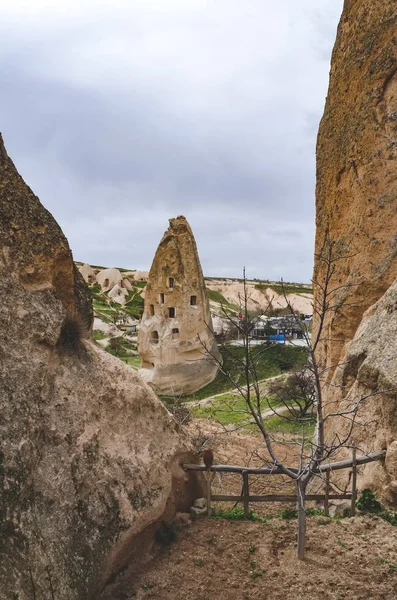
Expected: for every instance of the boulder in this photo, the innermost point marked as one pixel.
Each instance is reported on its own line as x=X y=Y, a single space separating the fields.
x=89 y=457
x=175 y=338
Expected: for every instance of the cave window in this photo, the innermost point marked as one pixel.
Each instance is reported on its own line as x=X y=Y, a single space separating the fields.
x=162 y=298
x=154 y=337
x=171 y=282
x=106 y=283
x=175 y=333
x=90 y=278
x=171 y=312
x=193 y=300
x=151 y=308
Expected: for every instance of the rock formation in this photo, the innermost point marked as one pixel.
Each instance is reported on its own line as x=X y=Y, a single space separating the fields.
x=175 y=339
x=89 y=457
x=118 y=294
x=356 y=192
x=370 y=367
x=88 y=274
x=108 y=278
x=357 y=207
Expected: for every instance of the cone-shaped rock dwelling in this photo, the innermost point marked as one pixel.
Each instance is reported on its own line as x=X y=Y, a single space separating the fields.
x=175 y=340
x=89 y=457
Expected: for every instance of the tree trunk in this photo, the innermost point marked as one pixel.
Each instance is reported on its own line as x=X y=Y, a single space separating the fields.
x=300 y=490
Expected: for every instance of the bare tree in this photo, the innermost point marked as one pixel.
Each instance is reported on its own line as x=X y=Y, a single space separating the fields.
x=296 y=393
x=315 y=449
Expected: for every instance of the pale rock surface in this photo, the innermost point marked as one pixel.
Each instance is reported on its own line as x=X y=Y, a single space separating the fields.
x=118 y=294
x=175 y=339
x=88 y=274
x=370 y=369
x=89 y=457
x=140 y=275
x=126 y=284
x=108 y=278
x=233 y=292
x=356 y=195
x=356 y=202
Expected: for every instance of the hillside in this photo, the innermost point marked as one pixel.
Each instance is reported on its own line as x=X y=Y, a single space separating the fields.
x=223 y=294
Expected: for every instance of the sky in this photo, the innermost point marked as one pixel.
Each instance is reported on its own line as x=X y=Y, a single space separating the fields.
x=120 y=115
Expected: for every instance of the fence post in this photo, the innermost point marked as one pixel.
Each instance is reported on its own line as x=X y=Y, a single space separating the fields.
x=209 y=495
x=245 y=494
x=326 y=497
x=354 y=481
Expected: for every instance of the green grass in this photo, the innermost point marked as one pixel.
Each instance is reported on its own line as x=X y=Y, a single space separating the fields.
x=132 y=361
x=281 y=425
x=289 y=288
x=99 y=335
x=107 y=310
x=231 y=409
x=269 y=361
x=217 y=297
x=228 y=409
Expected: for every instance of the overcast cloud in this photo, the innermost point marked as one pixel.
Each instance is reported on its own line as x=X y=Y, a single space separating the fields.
x=122 y=114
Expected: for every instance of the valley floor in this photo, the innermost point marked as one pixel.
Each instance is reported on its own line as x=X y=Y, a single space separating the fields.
x=218 y=559
x=214 y=559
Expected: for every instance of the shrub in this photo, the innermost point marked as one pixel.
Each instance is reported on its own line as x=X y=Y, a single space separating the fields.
x=368 y=502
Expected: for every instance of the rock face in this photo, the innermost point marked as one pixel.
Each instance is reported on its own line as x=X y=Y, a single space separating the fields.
x=89 y=457
x=108 y=278
x=176 y=326
x=357 y=207
x=369 y=375
x=356 y=162
x=88 y=274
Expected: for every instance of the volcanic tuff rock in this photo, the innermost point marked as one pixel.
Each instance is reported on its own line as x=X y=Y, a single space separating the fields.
x=175 y=339
x=89 y=457
x=357 y=208
x=356 y=191
x=368 y=375
x=108 y=278
x=88 y=273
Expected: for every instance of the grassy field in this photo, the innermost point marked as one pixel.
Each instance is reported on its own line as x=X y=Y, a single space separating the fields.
x=231 y=409
x=289 y=288
x=107 y=310
x=270 y=361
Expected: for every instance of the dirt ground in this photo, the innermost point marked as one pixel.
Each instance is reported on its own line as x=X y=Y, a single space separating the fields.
x=354 y=559
x=216 y=559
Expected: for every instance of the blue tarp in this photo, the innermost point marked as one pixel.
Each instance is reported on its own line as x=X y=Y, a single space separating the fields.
x=277 y=338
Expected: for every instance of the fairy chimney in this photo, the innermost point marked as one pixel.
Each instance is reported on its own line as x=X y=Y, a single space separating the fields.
x=176 y=341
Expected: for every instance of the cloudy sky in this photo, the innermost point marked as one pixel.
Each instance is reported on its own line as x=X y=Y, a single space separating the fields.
x=122 y=114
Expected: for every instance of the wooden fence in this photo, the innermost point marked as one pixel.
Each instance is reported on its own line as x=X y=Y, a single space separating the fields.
x=326 y=469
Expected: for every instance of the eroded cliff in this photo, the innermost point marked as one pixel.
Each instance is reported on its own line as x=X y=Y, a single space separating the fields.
x=357 y=209
x=89 y=457
x=356 y=195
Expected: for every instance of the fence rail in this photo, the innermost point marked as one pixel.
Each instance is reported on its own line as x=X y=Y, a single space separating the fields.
x=246 y=498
